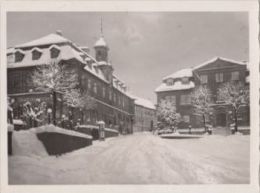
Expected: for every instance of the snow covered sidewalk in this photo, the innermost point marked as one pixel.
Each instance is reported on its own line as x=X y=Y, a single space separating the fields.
x=140 y=159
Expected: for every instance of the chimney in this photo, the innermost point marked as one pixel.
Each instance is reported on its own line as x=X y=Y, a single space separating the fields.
x=59 y=32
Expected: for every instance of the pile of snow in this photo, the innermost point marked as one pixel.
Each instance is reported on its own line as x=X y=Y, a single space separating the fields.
x=26 y=143
x=142 y=158
x=18 y=122
x=111 y=130
x=10 y=127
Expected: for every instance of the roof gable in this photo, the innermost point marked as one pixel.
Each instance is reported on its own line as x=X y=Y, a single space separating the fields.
x=218 y=63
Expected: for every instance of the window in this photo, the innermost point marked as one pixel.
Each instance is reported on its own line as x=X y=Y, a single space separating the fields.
x=185 y=99
x=54 y=52
x=119 y=100
x=185 y=80
x=104 y=92
x=235 y=75
x=186 y=118
x=89 y=84
x=95 y=88
x=219 y=77
x=169 y=82
x=110 y=95
x=114 y=98
x=171 y=99
x=123 y=103
x=204 y=79
x=18 y=56
x=36 y=55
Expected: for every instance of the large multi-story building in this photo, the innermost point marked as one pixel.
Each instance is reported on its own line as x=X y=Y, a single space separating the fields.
x=95 y=75
x=145 y=115
x=178 y=87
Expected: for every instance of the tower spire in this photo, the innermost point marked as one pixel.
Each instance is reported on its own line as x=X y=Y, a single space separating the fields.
x=101 y=27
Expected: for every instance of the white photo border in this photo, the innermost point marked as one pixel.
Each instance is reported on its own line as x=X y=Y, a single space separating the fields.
x=141 y=6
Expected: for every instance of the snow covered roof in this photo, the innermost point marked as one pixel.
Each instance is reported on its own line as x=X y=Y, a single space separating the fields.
x=103 y=63
x=144 y=102
x=101 y=42
x=218 y=58
x=178 y=85
x=46 y=40
x=66 y=53
x=95 y=71
x=187 y=72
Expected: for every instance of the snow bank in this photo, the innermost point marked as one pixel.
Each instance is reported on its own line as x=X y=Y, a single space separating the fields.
x=26 y=143
x=141 y=158
x=54 y=129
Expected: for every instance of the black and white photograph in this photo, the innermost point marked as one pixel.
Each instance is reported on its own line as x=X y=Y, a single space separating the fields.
x=129 y=97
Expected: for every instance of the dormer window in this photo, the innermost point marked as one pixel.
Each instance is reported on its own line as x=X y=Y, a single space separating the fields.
x=36 y=54
x=185 y=80
x=54 y=51
x=169 y=82
x=19 y=55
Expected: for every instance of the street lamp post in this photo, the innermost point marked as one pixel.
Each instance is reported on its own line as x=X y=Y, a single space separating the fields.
x=49 y=111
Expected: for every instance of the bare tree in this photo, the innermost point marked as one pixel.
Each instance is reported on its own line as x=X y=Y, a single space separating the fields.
x=236 y=95
x=201 y=99
x=167 y=114
x=54 y=78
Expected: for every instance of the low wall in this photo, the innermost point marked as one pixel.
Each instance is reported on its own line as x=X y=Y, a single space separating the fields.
x=59 y=143
x=93 y=131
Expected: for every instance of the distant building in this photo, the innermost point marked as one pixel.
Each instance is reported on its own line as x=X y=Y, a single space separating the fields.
x=178 y=87
x=145 y=115
x=95 y=74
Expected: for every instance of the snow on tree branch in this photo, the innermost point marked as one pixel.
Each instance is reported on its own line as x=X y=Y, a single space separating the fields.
x=167 y=113
x=54 y=77
x=75 y=98
x=201 y=99
x=235 y=94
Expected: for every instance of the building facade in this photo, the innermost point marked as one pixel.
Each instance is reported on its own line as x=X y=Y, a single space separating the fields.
x=145 y=115
x=95 y=76
x=179 y=86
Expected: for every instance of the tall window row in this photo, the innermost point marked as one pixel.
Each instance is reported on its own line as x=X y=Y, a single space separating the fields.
x=104 y=91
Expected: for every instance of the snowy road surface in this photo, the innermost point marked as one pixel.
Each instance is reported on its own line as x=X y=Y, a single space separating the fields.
x=140 y=159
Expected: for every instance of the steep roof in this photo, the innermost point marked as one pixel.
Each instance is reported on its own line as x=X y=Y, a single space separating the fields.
x=144 y=102
x=67 y=51
x=218 y=58
x=45 y=40
x=187 y=72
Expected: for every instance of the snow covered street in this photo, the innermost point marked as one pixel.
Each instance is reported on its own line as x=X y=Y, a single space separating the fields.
x=140 y=158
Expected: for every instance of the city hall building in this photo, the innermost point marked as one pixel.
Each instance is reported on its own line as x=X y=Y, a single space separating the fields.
x=95 y=75
x=178 y=88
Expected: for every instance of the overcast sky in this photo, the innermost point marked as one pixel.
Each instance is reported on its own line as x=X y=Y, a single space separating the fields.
x=144 y=47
